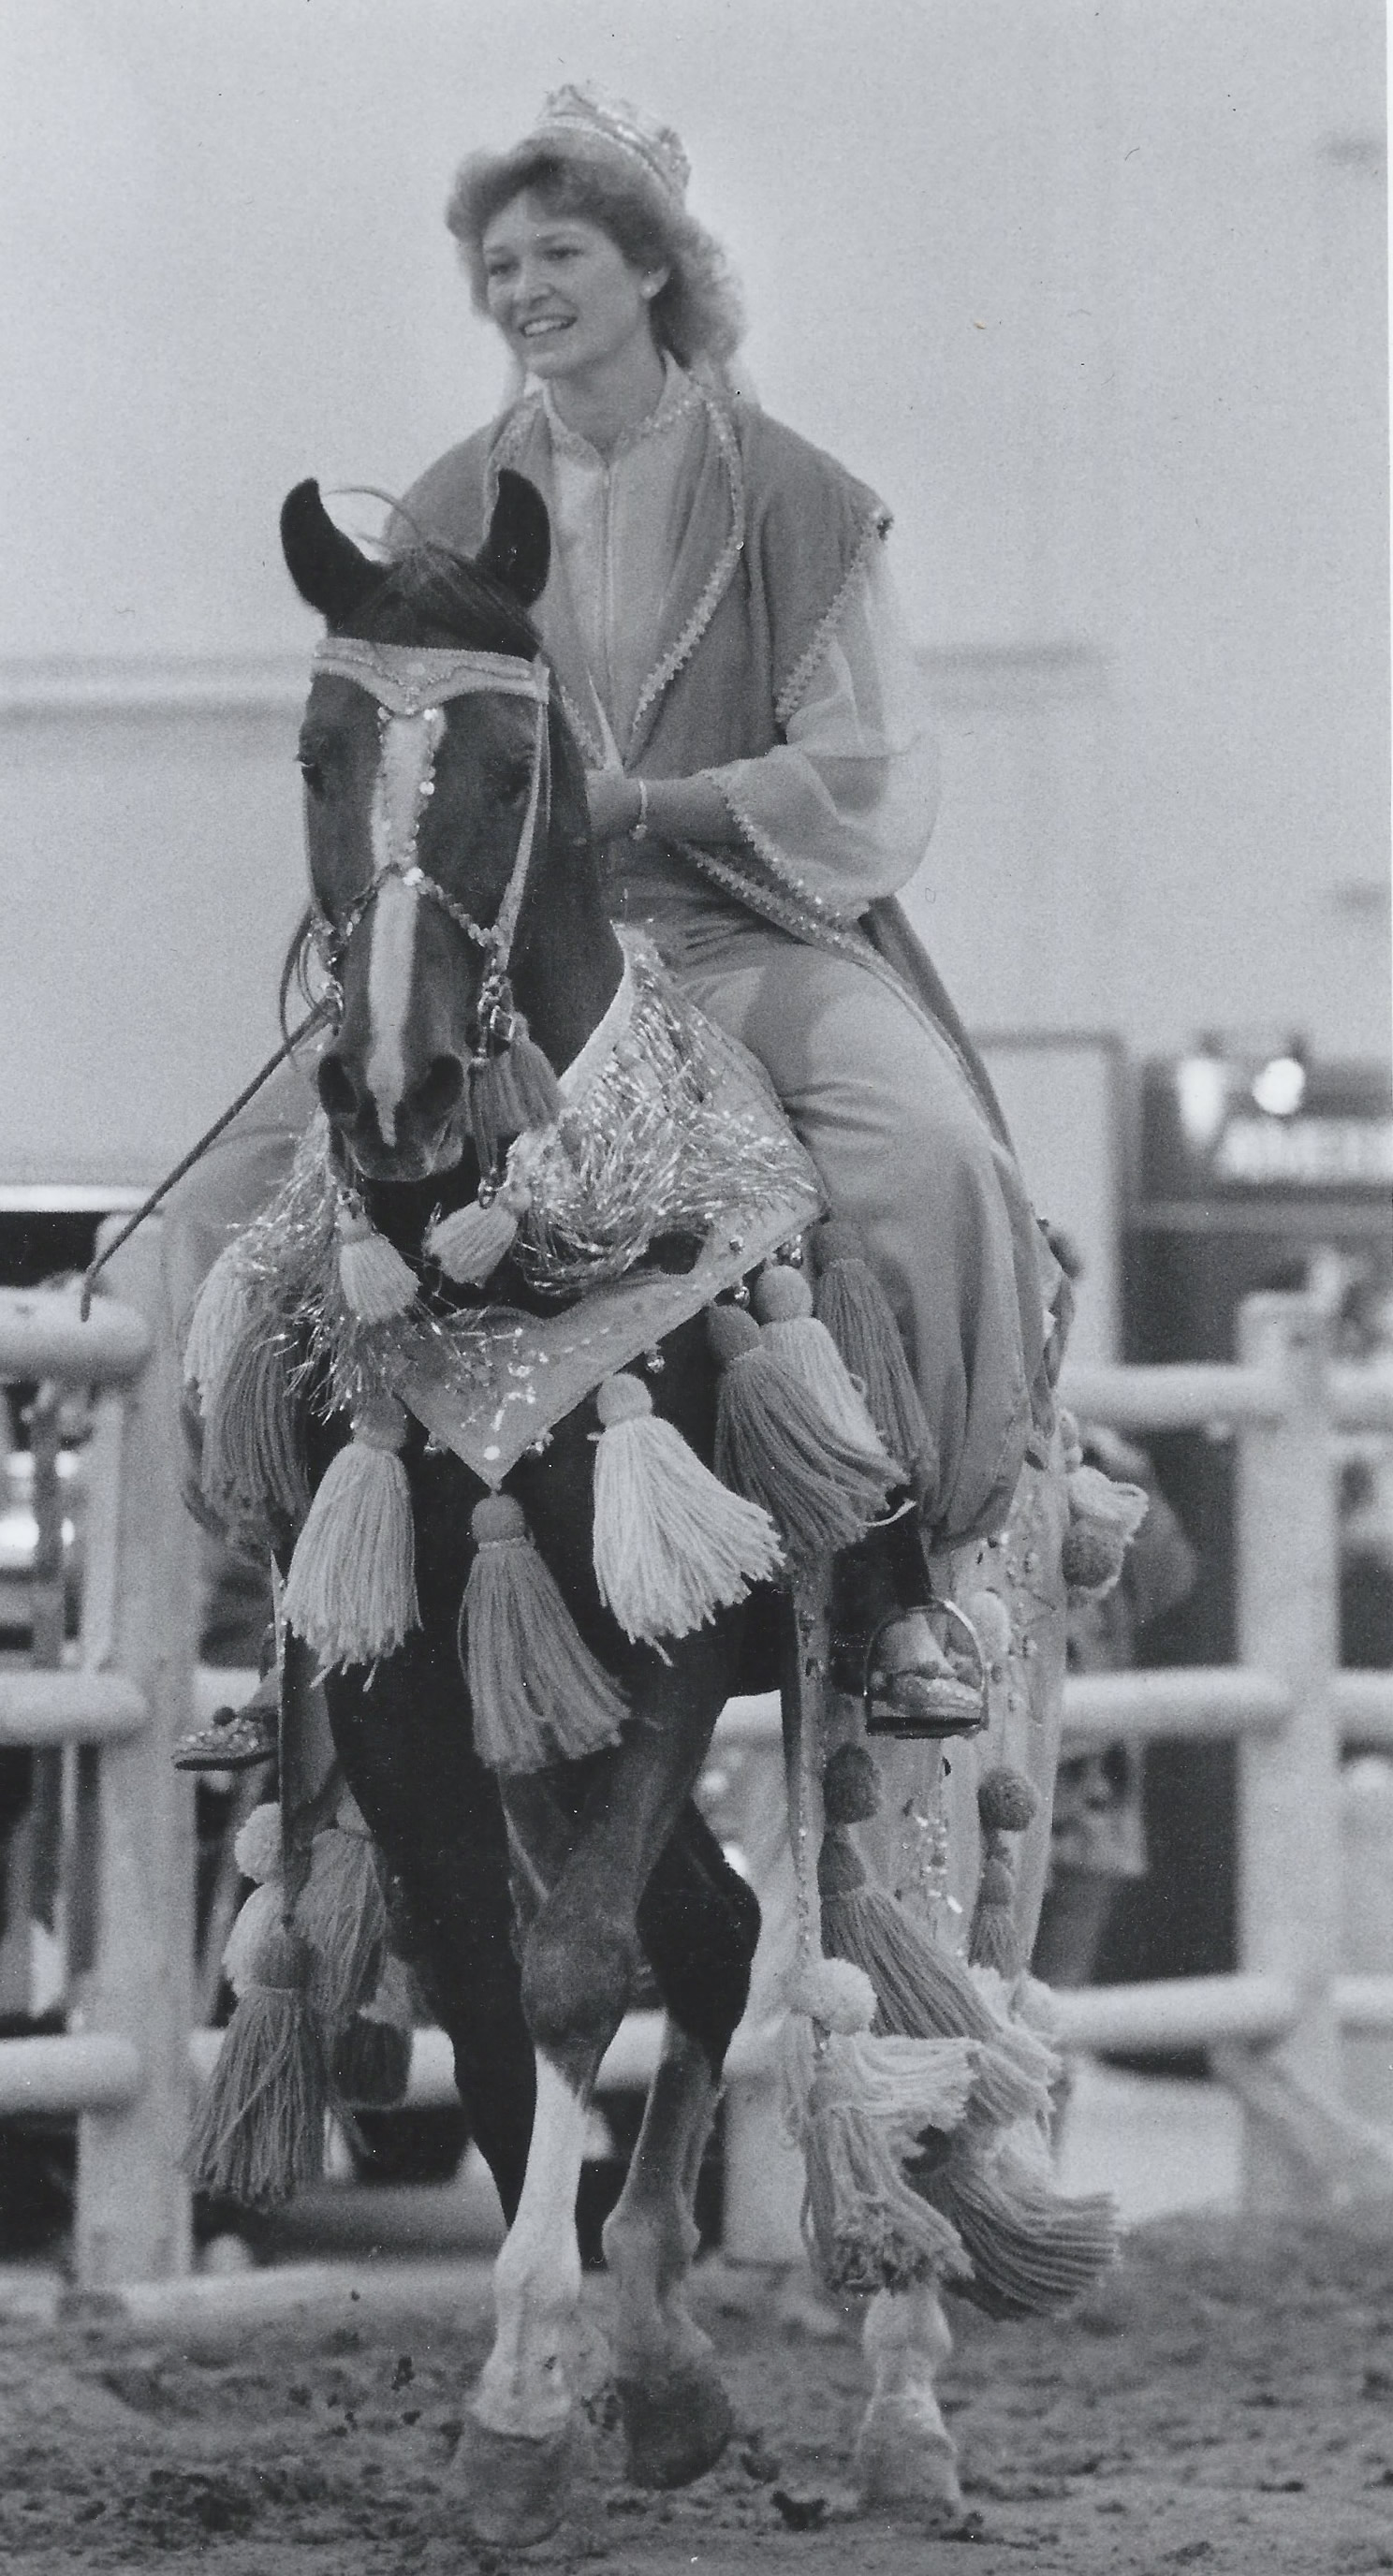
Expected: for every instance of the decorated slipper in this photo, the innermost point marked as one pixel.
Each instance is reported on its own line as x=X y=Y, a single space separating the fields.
x=239 y=1738
x=926 y=1675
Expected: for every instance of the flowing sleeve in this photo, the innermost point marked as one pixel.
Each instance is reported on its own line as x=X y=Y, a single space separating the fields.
x=844 y=805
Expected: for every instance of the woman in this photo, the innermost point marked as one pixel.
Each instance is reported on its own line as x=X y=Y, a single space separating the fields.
x=729 y=652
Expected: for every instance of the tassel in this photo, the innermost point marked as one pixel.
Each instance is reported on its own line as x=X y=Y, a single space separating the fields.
x=1006 y=1802
x=222 y=1318
x=777 y=1447
x=253 y=1469
x=470 y=1243
x=256 y=1917
x=511 y=1085
x=1033 y=2252
x=372 y=2063
x=870 y=2229
x=341 y=1915
x=538 y=1694
x=672 y=1544
x=376 y=1282
x=783 y=1301
x=858 y=1315
x=1105 y=1514
x=923 y=1992
x=351 y=1589
x=258 y=2133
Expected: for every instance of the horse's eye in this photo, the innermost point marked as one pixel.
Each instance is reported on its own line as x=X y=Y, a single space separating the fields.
x=310 y=771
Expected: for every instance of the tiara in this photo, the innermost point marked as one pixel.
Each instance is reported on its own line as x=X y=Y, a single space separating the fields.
x=581 y=116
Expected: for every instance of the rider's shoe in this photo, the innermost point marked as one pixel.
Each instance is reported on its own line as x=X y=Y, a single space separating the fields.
x=238 y=1738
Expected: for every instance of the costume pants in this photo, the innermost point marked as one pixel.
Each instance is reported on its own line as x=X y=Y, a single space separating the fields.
x=905 y=1154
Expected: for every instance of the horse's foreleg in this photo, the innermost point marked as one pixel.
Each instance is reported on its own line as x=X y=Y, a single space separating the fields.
x=905 y=2454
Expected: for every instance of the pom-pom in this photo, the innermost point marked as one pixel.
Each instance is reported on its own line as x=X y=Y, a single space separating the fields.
x=851 y=1785
x=376 y=1282
x=221 y=1319
x=258 y=2133
x=253 y=1468
x=256 y=1846
x=470 y=1243
x=511 y=1088
x=832 y=1992
x=672 y=1545
x=351 y=1589
x=992 y=1621
x=1105 y=1513
x=341 y=1915
x=1006 y=1800
x=857 y=1313
x=537 y=1692
x=776 y=1445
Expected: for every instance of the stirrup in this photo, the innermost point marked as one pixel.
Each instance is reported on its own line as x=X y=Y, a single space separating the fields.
x=921 y=1703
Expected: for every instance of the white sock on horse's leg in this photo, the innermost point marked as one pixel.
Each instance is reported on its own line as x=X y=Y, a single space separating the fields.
x=524 y=2387
x=905 y=2454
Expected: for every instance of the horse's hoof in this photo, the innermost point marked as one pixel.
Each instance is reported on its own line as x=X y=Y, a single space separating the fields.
x=676 y=2425
x=516 y=2490
x=902 y=2467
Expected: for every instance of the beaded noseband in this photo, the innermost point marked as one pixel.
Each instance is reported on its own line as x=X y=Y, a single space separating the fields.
x=411 y=684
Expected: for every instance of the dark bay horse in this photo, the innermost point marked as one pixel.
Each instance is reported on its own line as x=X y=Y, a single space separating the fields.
x=607 y=1859
x=471 y=962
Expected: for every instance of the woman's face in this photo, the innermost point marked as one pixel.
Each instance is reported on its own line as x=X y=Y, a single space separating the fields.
x=561 y=292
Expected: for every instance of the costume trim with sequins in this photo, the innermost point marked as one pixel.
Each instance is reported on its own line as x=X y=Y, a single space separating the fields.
x=670 y=1129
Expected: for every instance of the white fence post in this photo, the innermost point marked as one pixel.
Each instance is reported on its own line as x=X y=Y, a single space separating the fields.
x=1288 y=1829
x=132 y=2219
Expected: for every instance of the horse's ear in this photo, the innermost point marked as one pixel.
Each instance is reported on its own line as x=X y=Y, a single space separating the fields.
x=517 y=550
x=326 y=567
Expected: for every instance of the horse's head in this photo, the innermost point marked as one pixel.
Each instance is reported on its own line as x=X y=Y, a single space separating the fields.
x=446 y=826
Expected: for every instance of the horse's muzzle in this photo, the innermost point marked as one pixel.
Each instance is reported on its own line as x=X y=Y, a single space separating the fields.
x=422 y=1135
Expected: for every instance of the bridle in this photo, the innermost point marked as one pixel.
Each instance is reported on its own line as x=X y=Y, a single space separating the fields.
x=412 y=684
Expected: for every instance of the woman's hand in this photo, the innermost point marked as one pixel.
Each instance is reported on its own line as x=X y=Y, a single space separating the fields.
x=614 y=803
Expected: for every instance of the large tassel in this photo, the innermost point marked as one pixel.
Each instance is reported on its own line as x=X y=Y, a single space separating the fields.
x=1105 y=1514
x=222 y=1319
x=1006 y=1802
x=512 y=1086
x=783 y=1301
x=538 y=1694
x=672 y=1544
x=342 y=1916
x=351 y=1589
x=775 y=1445
x=858 y=1315
x=870 y=2229
x=257 y=2136
x=1033 y=2251
x=377 y=1282
x=471 y=1241
x=253 y=1468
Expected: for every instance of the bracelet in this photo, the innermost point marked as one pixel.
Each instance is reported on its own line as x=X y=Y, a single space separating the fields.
x=639 y=831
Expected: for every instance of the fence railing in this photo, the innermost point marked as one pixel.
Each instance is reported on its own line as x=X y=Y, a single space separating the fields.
x=1272 y=2029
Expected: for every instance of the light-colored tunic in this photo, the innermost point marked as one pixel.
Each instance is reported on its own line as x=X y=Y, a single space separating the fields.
x=843 y=805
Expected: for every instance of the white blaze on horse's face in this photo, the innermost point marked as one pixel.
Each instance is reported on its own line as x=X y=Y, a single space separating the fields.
x=405 y=780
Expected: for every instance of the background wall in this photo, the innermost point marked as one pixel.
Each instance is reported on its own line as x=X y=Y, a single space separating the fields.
x=1095 y=297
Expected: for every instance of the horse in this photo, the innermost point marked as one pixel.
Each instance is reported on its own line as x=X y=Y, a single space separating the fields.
x=460 y=919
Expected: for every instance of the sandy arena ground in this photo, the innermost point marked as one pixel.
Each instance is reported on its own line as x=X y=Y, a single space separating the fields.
x=1223 y=2402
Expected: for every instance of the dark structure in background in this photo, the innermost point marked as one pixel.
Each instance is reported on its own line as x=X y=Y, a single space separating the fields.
x=1248 y=1175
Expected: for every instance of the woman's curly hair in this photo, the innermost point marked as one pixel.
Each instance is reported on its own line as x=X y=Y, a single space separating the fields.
x=698 y=314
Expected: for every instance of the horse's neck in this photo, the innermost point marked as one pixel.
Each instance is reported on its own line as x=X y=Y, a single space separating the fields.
x=571 y=969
